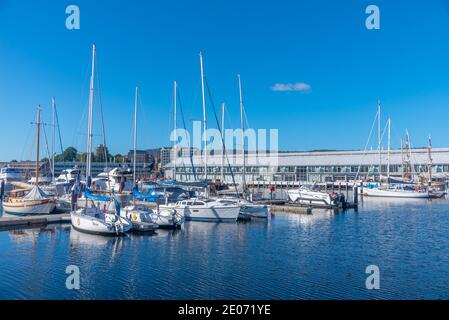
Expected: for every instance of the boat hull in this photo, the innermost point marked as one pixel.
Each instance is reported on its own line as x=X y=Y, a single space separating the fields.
x=88 y=224
x=25 y=208
x=255 y=211
x=395 y=194
x=312 y=198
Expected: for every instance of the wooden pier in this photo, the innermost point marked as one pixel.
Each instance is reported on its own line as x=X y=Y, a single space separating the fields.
x=32 y=221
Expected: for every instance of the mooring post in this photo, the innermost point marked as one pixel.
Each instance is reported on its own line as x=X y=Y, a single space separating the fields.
x=356 y=194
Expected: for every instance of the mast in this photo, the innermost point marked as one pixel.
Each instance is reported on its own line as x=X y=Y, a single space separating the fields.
x=402 y=159
x=409 y=155
x=135 y=133
x=175 y=125
x=242 y=123
x=89 y=125
x=389 y=150
x=379 y=138
x=38 y=134
x=223 y=106
x=430 y=165
x=204 y=114
x=53 y=140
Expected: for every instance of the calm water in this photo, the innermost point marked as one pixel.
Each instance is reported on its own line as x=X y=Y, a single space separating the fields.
x=323 y=256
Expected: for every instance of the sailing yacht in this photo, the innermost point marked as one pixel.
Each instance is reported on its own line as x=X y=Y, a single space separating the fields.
x=402 y=190
x=36 y=201
x=91 y=219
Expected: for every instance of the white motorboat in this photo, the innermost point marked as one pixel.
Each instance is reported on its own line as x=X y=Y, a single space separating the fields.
x=29 y=202
x=116 y=180
x=8 y=174
x=140 y=217
x=94 y=221
x=205 y=210
x=247 y=208
x=69 y=176
x=168 y=218
x=306 y=195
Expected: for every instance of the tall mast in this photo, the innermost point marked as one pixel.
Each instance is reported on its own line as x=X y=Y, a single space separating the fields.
x=89 y=125
x=53 y=140
x=242 y=123
x=223 y=106
x=379 y=138
x=430 y=165
x=402 y=158
x=389 y=150
x=175 y=125
x=135 y=133
x=204 y=115
x=38 y=134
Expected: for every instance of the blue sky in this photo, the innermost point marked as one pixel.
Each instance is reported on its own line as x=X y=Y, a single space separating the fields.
x=320 y=43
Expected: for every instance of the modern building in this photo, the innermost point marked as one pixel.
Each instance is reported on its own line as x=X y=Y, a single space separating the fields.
x=320 y=166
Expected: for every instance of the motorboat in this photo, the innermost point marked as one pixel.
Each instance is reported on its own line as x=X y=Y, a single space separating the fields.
x=206 y=210
x=140 y=217
x=310 y=195
x=29 y=202
x=167 y=218
x=116 y=180
x=247 y=208
x=69 y=176
x=8 y=174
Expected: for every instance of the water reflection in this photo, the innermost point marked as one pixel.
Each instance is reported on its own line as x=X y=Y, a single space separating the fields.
x=288 y=256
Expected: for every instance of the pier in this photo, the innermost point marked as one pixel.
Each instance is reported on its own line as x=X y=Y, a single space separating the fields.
x=7 y=223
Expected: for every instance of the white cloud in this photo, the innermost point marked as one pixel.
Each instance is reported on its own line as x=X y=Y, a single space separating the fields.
x=292 y=87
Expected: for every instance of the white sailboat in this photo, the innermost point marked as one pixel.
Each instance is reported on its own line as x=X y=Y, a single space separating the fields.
x=91 y=219
x=36 y=201
x=403 y=190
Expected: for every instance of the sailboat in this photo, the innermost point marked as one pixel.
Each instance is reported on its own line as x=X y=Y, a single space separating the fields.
x=204 y=209
x=247 y=208
x=397 y=190
x=91 y=219
x=36 y=201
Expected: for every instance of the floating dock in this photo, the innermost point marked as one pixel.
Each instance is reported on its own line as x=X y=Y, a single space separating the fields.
x=291 y=209
x=11 y=222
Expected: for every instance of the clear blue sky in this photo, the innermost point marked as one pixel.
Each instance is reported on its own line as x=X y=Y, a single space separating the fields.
x=321 y=43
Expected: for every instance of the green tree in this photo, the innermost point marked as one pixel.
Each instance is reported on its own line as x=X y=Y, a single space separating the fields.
x=101 y=153
x=70 y=154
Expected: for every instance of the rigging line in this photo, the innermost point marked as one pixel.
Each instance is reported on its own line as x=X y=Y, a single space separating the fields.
x=181 y=109
x=48 y=149
x=103 y=129
x=222 y=139
x=367 y=143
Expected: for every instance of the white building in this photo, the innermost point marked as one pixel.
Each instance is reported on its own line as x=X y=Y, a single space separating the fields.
x=308 y=166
